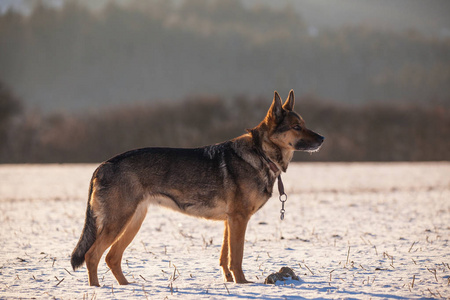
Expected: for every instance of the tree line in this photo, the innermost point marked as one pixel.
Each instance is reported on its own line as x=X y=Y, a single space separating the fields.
x=373 y=132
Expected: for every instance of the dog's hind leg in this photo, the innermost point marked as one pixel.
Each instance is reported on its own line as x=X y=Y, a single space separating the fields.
x=224 y=256
x=114 y=256
x=111 y=222
x=236 y=237
x=94 y=254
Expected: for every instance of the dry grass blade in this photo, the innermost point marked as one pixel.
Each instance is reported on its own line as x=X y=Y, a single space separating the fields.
x=226 y=288
x=309 y=269
x=348 y=255
x=59 y=282
x=68 y=272
x=433 y=271
x=174 y=277
x=411 y=246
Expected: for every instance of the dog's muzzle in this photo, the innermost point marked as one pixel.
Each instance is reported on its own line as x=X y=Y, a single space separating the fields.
x=312 y=144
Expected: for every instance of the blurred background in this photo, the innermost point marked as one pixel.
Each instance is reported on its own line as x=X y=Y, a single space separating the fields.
x=81 y=81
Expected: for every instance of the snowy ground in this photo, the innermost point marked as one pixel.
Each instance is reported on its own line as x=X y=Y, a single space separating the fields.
x=378 y=231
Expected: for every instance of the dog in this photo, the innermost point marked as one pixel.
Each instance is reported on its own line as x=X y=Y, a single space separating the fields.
x=229 y=182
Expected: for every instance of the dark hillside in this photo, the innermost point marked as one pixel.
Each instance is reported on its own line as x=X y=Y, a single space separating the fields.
x=365 y=133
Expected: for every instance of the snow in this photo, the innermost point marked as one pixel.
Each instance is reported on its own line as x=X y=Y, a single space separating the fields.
x=351 y=230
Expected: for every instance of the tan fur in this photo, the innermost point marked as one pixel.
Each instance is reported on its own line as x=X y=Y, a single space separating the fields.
x=228 y=181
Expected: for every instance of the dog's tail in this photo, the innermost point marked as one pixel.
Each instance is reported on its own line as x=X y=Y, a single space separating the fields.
x=87 y=237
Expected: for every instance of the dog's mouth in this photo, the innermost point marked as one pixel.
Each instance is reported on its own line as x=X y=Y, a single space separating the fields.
x=309 y=146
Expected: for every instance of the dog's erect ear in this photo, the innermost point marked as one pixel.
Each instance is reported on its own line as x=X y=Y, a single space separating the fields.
x=276 y=109
x=289 y=104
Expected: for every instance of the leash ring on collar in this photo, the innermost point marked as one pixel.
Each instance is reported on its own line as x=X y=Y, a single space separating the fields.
x=274 y=168
x=283 y=197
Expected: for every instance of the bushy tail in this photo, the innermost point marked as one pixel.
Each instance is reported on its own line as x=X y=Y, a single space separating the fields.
x=87 y=237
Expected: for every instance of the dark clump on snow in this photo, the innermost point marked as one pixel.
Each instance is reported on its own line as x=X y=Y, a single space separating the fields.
x=284 y=274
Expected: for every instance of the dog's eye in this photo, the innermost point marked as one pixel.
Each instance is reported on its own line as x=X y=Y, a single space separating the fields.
x=297 y=127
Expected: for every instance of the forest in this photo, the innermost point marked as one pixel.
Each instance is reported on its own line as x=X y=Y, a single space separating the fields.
x=74 y=58
x=82 y=86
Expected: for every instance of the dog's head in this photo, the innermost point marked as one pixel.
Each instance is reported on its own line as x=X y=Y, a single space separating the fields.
x=287 y=129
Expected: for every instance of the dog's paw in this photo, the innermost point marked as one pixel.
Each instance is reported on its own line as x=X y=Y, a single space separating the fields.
x=228 y=277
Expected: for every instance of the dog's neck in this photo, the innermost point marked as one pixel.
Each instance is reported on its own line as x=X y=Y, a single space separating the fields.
x=270 y=152
x=279 y=156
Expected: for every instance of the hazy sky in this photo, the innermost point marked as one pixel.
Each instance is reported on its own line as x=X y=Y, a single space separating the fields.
x=430 y=17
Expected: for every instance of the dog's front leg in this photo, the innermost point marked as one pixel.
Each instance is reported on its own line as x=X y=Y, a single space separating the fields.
x=237 y=225
x=224 y=256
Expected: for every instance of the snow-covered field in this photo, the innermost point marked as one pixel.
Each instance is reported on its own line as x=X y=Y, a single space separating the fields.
x=360 y=231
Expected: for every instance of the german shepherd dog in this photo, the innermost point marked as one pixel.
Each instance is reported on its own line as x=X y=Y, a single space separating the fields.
x=229 y=181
